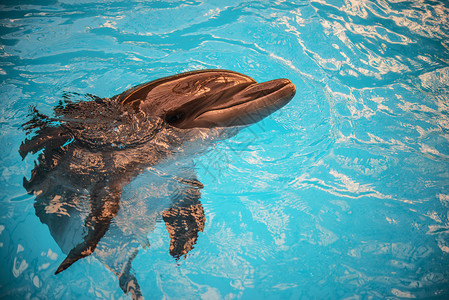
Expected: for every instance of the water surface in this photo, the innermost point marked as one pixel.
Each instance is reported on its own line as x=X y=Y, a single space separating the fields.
x=344 y=193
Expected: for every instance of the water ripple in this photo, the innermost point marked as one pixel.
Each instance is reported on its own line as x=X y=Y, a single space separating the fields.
x=352 y=174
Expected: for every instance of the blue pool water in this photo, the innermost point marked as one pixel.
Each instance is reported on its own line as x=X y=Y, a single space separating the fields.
x=342 y=194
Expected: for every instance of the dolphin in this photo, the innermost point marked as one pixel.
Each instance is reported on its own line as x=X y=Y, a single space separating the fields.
x=109 y=168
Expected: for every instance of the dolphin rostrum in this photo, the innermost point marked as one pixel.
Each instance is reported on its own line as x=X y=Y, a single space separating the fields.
x=93 y=153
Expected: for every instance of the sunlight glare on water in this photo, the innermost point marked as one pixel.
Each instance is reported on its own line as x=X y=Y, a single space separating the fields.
x=343 y=193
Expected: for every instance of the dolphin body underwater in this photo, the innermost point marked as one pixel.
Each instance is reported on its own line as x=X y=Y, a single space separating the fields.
x=110 y=168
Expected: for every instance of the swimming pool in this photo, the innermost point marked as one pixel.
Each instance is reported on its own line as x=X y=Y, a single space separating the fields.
x=343 y=193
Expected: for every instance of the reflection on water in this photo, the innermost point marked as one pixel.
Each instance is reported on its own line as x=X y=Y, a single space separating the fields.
x=352 y=175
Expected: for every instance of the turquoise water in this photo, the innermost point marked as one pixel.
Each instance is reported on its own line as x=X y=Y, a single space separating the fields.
x=342 y=194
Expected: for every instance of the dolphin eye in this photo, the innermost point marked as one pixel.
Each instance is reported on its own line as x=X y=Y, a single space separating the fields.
x=174 y=117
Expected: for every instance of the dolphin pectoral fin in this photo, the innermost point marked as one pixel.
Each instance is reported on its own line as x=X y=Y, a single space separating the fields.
x=80 y=251
x=183 y=221
x=104 y=207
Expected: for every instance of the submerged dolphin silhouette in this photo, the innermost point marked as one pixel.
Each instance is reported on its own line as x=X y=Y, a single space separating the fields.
x=93 y=149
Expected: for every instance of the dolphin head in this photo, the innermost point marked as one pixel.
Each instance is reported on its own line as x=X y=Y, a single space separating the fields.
x=209 y=98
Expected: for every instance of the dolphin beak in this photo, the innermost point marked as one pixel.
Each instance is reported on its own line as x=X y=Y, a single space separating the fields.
x=247 y=106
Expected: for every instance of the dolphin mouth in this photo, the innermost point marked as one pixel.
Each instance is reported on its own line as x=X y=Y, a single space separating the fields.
x=247 y=106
